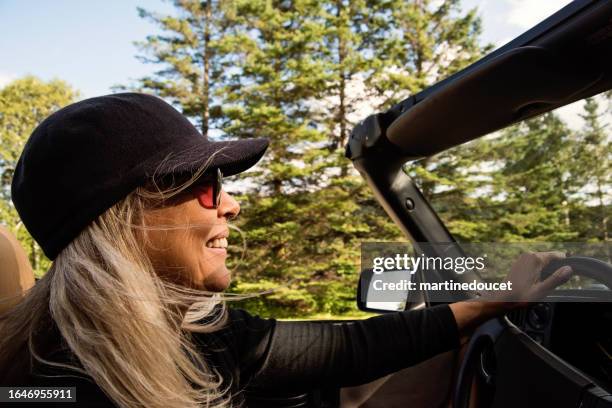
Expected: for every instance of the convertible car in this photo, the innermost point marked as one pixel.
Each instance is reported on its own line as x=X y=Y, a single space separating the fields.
x=556 y=353
x=551 y=354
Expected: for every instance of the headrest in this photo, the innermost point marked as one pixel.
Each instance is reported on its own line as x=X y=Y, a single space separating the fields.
x=16 y=275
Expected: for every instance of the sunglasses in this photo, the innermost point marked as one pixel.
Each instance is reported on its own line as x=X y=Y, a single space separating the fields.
x=208 y=191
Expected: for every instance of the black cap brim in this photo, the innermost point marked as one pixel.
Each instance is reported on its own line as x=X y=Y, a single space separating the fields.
x=231 y=156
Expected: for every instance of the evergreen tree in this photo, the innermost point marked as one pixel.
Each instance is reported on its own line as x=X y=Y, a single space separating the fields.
x=353 y=29
x=458 y=183
x=426 y=41
x=299 y=73
x=279 y=70
x=531 y=182
x=593 y=172
x=536 y=181
x=193 y=56
x=24 y=103
x=355 y=34
x=282 y=69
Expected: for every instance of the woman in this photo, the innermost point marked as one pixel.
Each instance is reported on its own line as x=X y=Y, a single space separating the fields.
x=124 y=195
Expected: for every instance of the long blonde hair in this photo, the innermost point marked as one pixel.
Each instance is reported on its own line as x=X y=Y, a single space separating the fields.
x=128 y=327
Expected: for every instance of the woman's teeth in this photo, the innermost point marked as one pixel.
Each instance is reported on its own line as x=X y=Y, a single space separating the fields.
x=217 y=243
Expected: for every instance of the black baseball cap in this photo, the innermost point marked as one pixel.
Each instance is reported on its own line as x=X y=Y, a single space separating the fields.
x=88 y=156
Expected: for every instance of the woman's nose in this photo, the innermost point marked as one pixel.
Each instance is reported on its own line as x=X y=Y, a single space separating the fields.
x=229 y=207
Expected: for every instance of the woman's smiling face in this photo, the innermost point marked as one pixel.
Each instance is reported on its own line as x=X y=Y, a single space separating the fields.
x=187 y=242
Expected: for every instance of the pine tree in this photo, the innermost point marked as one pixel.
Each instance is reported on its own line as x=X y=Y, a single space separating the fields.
x=593 y=147
x=426 y=41
x=532 y=182
x=279 y=70
x=194 y=58
x=338 y=211
x=351 y=27
x=292 y=69
x=282 y=69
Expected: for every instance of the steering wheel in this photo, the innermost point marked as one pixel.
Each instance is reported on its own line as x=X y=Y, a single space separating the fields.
x=486 y=336
x=583 y=266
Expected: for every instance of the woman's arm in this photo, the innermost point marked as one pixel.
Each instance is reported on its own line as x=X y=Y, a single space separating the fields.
x=299 y=356
x=305 y=355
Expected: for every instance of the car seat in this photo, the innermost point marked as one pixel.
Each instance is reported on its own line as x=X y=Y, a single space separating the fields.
x=16 y=275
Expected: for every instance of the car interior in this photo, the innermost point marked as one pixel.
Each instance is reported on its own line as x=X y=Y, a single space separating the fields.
x=550 y=354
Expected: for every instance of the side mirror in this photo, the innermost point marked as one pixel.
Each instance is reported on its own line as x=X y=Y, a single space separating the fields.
x=386 y=292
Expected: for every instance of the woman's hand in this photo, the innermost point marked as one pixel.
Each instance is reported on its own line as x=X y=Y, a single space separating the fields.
x=525 y=277
x=526 y=287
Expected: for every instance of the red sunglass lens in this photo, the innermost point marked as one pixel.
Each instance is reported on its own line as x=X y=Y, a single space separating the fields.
x=205 y=196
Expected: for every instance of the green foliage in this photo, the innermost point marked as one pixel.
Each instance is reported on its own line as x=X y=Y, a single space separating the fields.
x=423 y=42
x=536 y=181
x=594 y=148
x=298 y=72
x=193 y=56
x=24 y=103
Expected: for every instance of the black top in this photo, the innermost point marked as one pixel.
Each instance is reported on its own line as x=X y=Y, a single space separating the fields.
x=269 y=355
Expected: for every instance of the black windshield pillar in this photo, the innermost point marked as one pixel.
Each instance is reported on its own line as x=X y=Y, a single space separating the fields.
x=381 y=164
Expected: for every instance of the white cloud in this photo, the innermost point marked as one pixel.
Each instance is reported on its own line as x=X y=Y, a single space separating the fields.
x=6 y=78
x=527 y=13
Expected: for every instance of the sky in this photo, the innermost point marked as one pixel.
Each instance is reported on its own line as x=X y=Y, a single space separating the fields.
x=87 y=43
x=90 y=44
